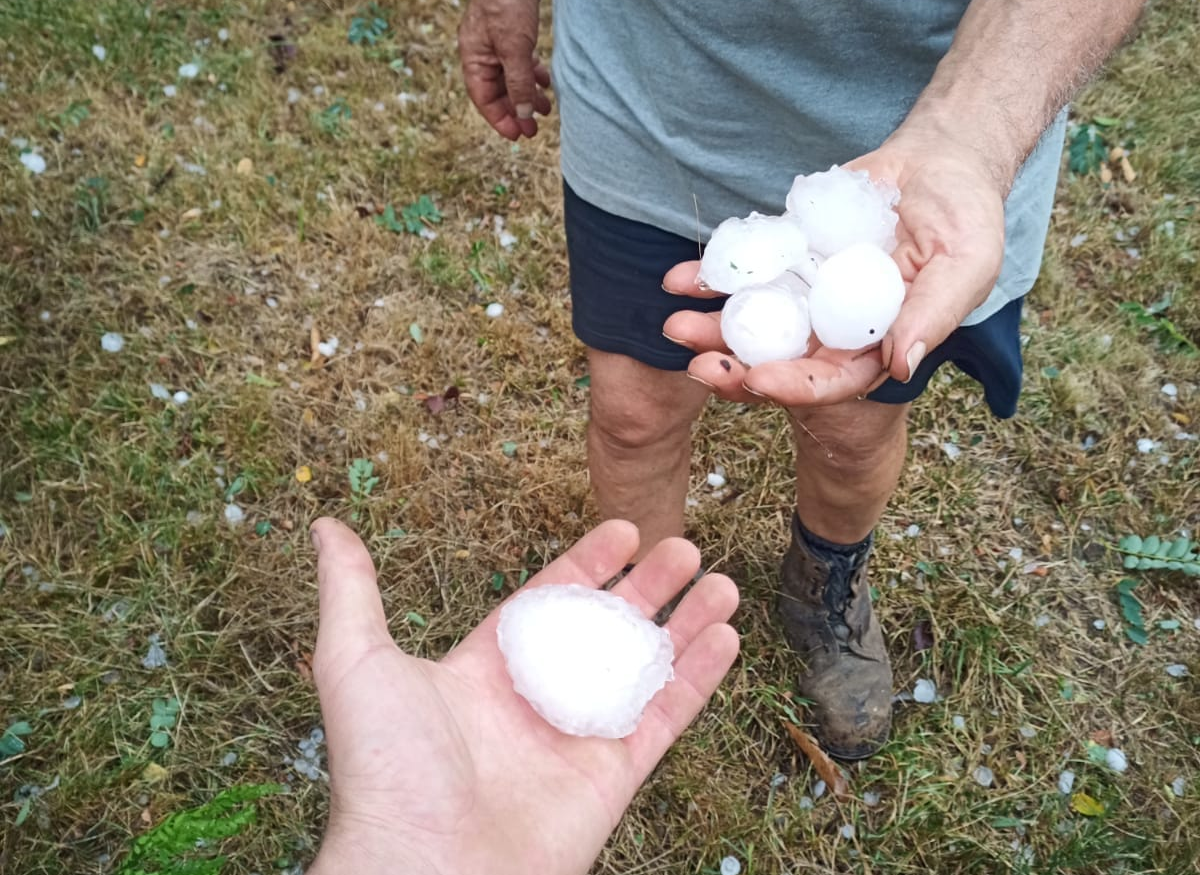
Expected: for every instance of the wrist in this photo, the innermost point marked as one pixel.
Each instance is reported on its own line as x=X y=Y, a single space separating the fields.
x=363 y=851
x=946 y=128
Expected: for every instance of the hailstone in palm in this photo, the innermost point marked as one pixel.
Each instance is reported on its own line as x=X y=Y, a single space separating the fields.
x=856 y=297
x=585 y=659
x=767 y=322
x=838 y=208
x=756 y=249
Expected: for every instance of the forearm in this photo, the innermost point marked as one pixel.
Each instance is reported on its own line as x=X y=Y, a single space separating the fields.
x=1012 y=66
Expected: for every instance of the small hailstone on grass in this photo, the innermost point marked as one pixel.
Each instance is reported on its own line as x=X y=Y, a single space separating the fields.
x=924 y=691
x=804 y=803
x=983 y=776
x=767 y=322
x=749 y=251
x=586 y=660
x=170 y=90
x=1170 y=390
x=234 y=514
x=1177 y=670
x=838 y=208
x=1027 y=731
x=856 y=297
x=100 y=52
x=223 y=35
x=494 y=310
x=229 y=759
x=912 y=531
x=181 y=397
x=730 y=866
x=870 y=798
x=44 y=315
x=159 y=391
x=1065 y=782
x=819 y=789
x=112 y=342
x=34 y=162
x=958 y=722
x=1115 y=759
x=1145 y=445
x=189 y=71
x=847 y=830
x=328 y=347
x=1099 y=624
x=1078 y=240
x=952 y=451
x=155 y=656
x=1178 y=786
x=715 y=479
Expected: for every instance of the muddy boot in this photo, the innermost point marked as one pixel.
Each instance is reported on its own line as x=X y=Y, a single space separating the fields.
x=825 y=607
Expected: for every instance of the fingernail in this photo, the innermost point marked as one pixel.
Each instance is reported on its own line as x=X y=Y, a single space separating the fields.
x=316 y=540
x=524 y=110
x=916 y=352
x=675 y=340
x=752 y=392
x=665 y=289
x=701 y=382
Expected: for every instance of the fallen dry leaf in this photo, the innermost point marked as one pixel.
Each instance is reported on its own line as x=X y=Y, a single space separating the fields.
x=1181 y=418
x=314 y=338
x=1127 y=170
x=1106 y=174
x=245 y=167
x=193 y=213
x=1086 y=805
x=833 y=776
x=303 y=474
x=139 y=161
x=1104 y=737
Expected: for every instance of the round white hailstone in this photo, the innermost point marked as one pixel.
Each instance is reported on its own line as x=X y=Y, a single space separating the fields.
x=1065 y=782
x=856 y=297
x=983 y=776
x=189 y=71
x=181 y=397
x=112 y=342
x=234 y=514
x=1115 y=759
x=33 y=162
x=756 y=249
x=494 y=310
x=767 y=322
x=730 y=866
x=586 y=660
x=924 y=692
x=838 y=208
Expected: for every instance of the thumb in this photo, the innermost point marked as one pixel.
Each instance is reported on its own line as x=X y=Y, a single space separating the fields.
x=941 y=295
x=351 y=611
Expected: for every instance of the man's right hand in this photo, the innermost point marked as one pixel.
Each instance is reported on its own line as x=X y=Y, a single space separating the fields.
x=497 y=40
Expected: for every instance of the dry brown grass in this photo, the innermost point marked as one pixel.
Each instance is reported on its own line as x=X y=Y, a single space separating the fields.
x=111 y=473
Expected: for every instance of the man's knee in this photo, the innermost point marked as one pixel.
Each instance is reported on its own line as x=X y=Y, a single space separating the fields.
x=852 y=439
x=633 y=406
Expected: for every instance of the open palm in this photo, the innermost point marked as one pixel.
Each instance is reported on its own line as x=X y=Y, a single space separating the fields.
x=442 y=767
x=950 y=246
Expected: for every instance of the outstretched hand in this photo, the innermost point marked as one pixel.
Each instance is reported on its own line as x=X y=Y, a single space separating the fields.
x=951 y=244
x=440 y=767
x=504 y=78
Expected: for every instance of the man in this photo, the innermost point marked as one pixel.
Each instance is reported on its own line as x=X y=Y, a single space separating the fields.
x=675 y=114
x=442 y=769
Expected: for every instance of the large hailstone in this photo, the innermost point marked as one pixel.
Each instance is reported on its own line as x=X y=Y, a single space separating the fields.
x=767 y=322
x=755 y=249
x=838 y=208
x=585 y=659
x=856 y=297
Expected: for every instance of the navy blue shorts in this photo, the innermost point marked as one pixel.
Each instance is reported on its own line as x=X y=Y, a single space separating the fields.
x=618 y=306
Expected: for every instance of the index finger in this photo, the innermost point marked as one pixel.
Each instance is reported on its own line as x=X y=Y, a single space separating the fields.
x=684 y=279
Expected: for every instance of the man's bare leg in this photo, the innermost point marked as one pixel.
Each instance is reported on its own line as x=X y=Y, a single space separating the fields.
x=848 y=463
x=639 y=443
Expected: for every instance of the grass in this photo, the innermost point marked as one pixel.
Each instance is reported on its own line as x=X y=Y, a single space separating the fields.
x=218 y=229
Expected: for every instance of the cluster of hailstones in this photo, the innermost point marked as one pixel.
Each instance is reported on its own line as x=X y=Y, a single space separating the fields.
x=824 y=267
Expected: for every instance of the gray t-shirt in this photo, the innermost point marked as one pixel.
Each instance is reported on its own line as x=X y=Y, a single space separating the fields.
x=669 y=108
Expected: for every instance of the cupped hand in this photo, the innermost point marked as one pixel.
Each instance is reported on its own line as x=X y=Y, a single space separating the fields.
x=950 y=246
x=440 y=767
x=504 y=78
